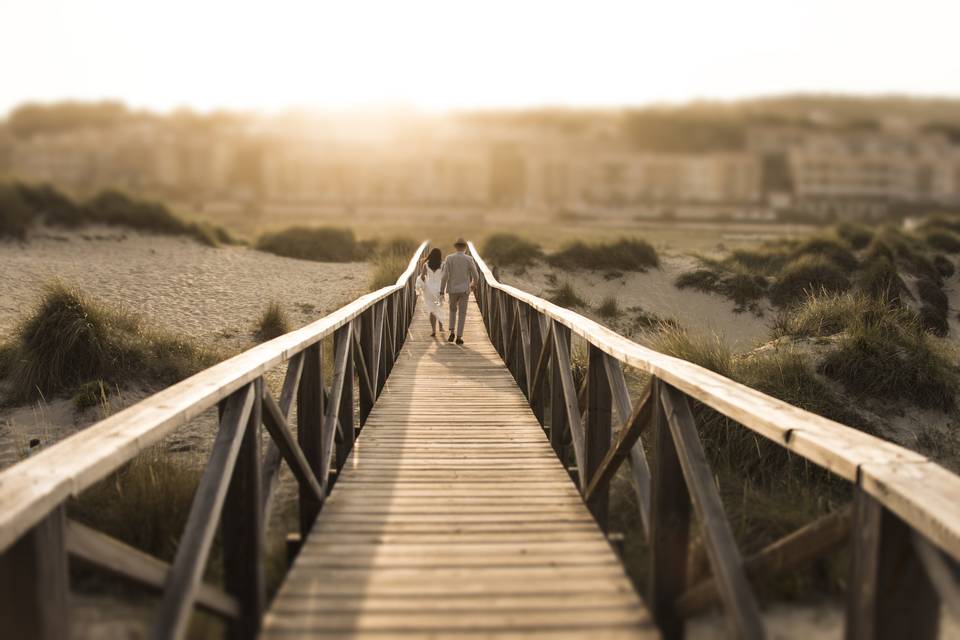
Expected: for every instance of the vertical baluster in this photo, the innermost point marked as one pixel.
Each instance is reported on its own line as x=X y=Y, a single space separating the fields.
x=669 y=525
x=345 y=433
x=558 y=413
x=242 y=529
x=366 y=348
x=890 y=594
x=310 y=412
x=35 y=582
x=598 y=430
x=536 y=343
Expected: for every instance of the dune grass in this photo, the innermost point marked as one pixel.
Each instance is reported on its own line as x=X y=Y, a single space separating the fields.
x=70 y=339
x=273 y=323
x=565 y=295
x=23 y=206
x=320 y=244
x=943 y=240
x=510 y=250
x=806 y=274
x=944 y=266
x=609 y=308
x=732 y=281
x=391 y=261
x=622 y=255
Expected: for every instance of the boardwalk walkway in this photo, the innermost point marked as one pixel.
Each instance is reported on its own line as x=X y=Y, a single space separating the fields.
x=454 y=518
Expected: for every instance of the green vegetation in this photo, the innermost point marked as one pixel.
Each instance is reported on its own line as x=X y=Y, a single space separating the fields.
x=858 y=236
x=734 y=282
x=145 y=503
x=944 y=265
x=23 y=206
x=565 y=295
x=70 y=340
x=507 y=249
x=808 y=274
x=622 y=255
x=273 y=323
x=320 y=244
x=943 y=240
x=391 y=261
x=90 y=394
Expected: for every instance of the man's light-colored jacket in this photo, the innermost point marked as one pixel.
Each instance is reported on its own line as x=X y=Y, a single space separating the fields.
x=459 y=270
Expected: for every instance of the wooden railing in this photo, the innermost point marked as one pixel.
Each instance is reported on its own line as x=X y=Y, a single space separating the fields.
x=903 y=524
x=235 y=488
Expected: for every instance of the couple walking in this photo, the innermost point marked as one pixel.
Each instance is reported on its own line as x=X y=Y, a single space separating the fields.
x=456 y=275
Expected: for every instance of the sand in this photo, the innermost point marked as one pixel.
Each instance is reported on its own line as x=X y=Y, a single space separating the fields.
x=654 y=292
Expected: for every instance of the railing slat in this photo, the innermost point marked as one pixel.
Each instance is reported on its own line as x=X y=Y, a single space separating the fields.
x=569 y=398
x=120 y=559
x=597 y=434
x=742 y=609
x=790 y=552
x=558 y=411
x=890 y=595
x=287 y=445
x=272 y=457
x=538 y=366
x=669 y=526
x=346 y=433
x=331 y=420
x=311 y=406
x=34 y=583
x=194 y=547
x=943 y=572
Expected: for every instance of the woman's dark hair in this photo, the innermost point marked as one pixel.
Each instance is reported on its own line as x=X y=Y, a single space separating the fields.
x=434 y=259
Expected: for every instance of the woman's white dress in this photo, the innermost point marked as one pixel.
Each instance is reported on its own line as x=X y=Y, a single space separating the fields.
x=430 y=287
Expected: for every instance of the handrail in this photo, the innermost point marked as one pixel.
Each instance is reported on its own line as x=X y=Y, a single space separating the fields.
x=31 y=488
x=235 y=488
x=905 y=513
x=854 y=455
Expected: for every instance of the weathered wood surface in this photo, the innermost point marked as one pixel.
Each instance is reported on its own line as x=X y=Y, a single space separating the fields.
x=453 y=516
x=917 y=490
x=32 y=489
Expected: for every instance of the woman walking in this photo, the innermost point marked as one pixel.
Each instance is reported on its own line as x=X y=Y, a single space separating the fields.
x=430 y=274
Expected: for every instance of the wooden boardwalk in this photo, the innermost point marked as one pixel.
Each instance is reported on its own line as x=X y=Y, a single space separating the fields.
x=454 y=518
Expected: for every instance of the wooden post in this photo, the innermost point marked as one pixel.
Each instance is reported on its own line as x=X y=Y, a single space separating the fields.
x=536 y=343
x=243 y=532
x=598 y=431
x=558 y=414
x=890 y=594
x=669 y=525
x=345 y=434
x=35 y=583
x=366 y=348
x=310 y=412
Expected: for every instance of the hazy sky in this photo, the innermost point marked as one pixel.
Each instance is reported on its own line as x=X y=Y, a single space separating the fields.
x=443 y=53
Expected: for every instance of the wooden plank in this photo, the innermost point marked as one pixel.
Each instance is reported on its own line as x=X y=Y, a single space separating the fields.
x=787 y=553
x=119 y=559
x=331 y=419
x=34 y=487
x=890 y=593
x=540 y=344
x=743 y=612
x=597 y=434
x=669 y=526
x=346 y=433
x=366 y=390
x=194 y=546
x=35 y=583
x=523 y=352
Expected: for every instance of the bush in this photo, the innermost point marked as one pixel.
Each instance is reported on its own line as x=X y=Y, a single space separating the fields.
x=507 y=249
x=834 y=249
x=946 y=241
x=273 y=323
x=609 y=308
x=52 y=206
x=805 y=275
x=737 y=283
x=766 y=260
x=391 y=261
x=565 y=295
x=820 y=315
x=15 y=216
x=69 y=340
x=944 y=266
x=90 y=394
x=885 y=354
x=857 y=235
x=880 y=279
x=321 y=244
x=623 y=255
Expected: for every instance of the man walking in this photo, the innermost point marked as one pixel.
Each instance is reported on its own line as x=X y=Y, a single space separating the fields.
x=459 y=277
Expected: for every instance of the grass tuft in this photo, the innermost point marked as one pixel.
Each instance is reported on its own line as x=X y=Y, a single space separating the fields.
x=390 y=262
x=623 y=255
x=69 y=340
x=273 y=323
x=507 y=249
x=320 y=244
x=609 y=308
x=805 y=275
x=565 y=295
